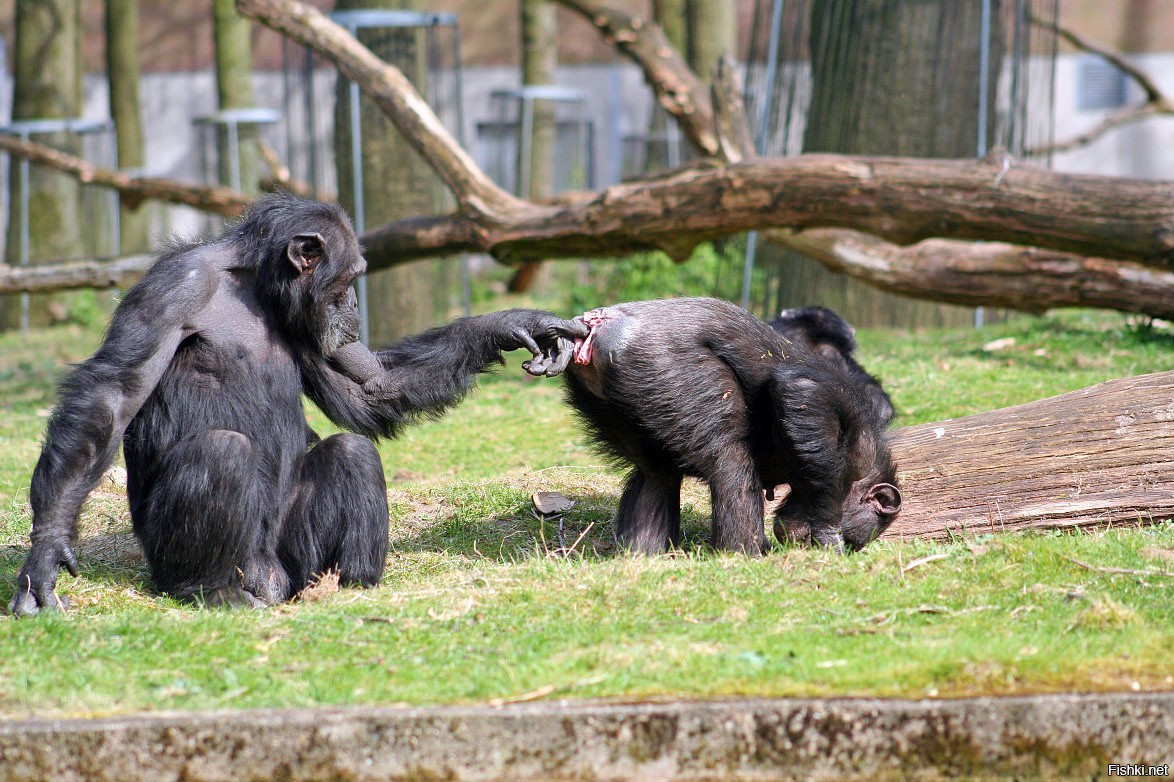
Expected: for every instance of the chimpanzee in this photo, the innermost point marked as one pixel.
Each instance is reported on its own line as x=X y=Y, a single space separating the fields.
x=830 y=335
x=201 y=375
x=700 y=387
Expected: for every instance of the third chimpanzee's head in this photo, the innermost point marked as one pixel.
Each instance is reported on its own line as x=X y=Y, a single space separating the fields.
x=308 y=259
x=843 y=479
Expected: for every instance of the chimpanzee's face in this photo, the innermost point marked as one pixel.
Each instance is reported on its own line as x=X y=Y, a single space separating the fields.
x=867 y=510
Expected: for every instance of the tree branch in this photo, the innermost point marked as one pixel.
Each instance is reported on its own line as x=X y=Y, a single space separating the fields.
x=113 y=273
x=1156 y=103
x=990 y=274
x=676 y=86
x=475 y=192
x=901 y=200
x=132 y=189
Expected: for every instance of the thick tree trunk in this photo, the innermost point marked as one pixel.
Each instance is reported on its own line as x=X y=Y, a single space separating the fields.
x=1100 y=456
x=47 y=85
x=712 y=33
x=535 y=174
x=122 y=71
x=397 y=182
x=234 y=90
x=888 y=78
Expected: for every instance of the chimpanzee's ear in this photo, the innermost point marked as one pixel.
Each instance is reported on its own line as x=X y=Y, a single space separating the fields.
x=305 y=251
x=885 y=498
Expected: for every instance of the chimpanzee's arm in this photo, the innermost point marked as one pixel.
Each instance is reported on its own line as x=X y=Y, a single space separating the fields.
x=429 y=372
x=98 y=399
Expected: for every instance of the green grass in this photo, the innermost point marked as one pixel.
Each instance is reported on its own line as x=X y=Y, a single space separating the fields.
x=480 y=601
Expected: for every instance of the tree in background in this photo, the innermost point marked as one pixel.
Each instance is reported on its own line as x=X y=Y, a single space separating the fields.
x=539 y=63
x=891 y=78
x=123 y=72
x=396 y=183
x=47 y=85
x=234 y=90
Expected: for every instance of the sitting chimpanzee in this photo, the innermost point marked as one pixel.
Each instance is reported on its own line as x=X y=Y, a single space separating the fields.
x=700 y=387
x=201 y=376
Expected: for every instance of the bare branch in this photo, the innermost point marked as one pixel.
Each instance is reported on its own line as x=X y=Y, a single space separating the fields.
x=395 y=96
x=114 y=273
x=676 y=86
x=133 y=189
x=990 y=274
x=901 y=200
x=1156 y=103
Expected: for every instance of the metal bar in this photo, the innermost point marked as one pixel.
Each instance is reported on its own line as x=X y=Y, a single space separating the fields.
x=772 y=66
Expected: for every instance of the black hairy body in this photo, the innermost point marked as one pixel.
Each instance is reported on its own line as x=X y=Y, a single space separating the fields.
x=201 y=376
x=701 y=388
x=825 y=332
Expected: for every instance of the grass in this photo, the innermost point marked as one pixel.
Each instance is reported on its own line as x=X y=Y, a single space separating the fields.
x=482 y=603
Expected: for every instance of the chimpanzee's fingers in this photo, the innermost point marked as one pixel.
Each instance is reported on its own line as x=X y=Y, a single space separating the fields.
x=571 y=328
x=69 y=561
x=536 y=366
x=562 y=359
x=528 y=342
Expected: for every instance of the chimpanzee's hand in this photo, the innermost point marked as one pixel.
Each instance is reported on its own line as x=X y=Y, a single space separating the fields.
x=549 y=339
x=38 y=578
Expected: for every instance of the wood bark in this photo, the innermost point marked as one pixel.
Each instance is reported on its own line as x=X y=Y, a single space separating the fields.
x=234 y=90
x=47 y=84
x=900 y=200
x=535 y=172
x=117 y=273
x=993 y=274
x=123 y=72
x=1100 y=456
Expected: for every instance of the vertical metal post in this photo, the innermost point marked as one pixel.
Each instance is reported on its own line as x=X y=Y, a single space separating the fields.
x=234 y=155
x=984 y=93
x=772 y=66
x=360 y=205
x=466 y=275
x=24 y=231
x=525 y=145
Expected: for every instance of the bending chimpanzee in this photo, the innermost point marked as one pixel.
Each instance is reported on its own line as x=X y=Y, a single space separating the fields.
x=827 y=333
x=700 y=387
x=201 y=376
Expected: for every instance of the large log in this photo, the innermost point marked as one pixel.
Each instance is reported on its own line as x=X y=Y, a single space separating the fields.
x=1097 y=457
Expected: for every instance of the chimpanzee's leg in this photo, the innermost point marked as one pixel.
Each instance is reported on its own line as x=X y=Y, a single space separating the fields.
x=736 y=496
x=649 y=518
x=338 y=520
x=204 y=518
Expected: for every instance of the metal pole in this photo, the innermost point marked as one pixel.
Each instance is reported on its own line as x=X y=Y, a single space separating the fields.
x=360 y=206
x=466 y=275
x=772 y=66
x=984 y=92
x=24 y=231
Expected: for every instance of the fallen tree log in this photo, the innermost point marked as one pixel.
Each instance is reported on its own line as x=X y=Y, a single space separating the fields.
x=1096 y=457
x=92 y=273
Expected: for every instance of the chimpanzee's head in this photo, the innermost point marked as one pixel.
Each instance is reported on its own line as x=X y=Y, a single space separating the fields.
x=843 y=488
x=867 y=510
x=308 y=259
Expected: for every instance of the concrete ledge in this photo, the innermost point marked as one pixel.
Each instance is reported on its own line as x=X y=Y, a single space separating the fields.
x=1039 y=737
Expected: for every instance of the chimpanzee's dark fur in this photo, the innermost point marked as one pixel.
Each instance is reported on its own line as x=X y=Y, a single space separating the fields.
x=699 y=387
x=201 y=377
x=830 y=335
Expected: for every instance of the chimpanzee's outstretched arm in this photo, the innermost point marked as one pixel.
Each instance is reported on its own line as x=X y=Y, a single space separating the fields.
x=98 y=399
x=429 y=372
